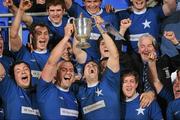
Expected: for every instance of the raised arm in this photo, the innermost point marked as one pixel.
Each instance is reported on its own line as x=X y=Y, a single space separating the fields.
x=124 y=25
x=68 y=3
x=169 y=6
x=80 y=54
x=51 y=65
x=27 y=19
x=152 y=66
x=113 y=60
x=15 y=40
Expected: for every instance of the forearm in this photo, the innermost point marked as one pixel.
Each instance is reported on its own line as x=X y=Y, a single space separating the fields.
x=58 y=51
x=14 y=31
x=79 y=53
x=155 y=80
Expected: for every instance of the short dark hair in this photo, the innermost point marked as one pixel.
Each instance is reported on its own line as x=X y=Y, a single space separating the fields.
x=11 y=70
x=33 y=32
x=55 y=2
x=130 y=73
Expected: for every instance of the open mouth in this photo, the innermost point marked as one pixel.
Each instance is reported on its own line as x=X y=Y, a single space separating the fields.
x=106 y=50
x=24 y=78
x=91 y=71
x=42 y=41
x=67 y=78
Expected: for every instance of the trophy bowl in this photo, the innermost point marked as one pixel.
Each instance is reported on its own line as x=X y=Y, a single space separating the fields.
x=83 y=27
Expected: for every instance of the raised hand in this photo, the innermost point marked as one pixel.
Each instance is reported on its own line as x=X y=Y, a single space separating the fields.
x=171 y=37
x=25 y=5
x=8 y=3
x=69 y=29
x=109 y=8
x=125 y=23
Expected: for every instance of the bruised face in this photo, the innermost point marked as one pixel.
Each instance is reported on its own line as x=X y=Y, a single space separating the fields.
x=41 y=37
x=65 y=74
x=22 y=75
x=139 y=5
x=146 y=47
x=1 y=45
x=93 y=6
x=129 y=86
x=56 y=13
x=103 y=49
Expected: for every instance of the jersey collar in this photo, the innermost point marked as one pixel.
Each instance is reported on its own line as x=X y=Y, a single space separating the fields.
x=55 y=25
x=140 y=12
x=40 y=52
x=132 y=98
x=62 y=89
x=96 y=14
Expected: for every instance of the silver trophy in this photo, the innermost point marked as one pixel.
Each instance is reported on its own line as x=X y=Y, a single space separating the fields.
x=83 y=27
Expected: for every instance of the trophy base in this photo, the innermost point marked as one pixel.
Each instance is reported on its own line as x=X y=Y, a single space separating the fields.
x=83 y=45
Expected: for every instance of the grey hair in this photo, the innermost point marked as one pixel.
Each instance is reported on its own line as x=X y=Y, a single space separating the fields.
x=147 y=35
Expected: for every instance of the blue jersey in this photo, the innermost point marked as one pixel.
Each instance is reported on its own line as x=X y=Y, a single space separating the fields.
x=56 y=104
x=76 y=10
x=101 y=102
x=146 y=21
x=173 y=110
x=6 y=61
x=133 y=111
x=36 y=60
x=167 y=46
x=56 y=31
x=18 y=103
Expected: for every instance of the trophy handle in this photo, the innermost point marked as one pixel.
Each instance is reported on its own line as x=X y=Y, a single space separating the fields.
x=71 y=20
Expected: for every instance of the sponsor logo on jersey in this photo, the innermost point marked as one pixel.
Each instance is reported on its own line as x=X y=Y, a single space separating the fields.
x=93 y=107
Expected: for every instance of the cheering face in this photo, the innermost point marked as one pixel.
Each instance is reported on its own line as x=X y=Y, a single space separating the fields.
x=139 y=5
x=65 y=74
x=22 y=75
x=103 y=49
x=176 y=88
x=129 y=86
x=91 y=70
x=93 y=6
x=41 y=35
x=1 y=45
x=145 y=48
x=56 y=13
